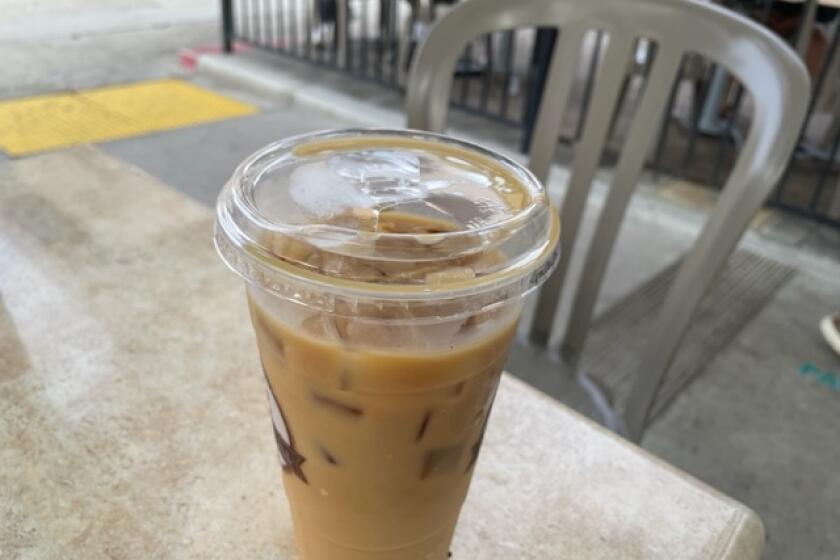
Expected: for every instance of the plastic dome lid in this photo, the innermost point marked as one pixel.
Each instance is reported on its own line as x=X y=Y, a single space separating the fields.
x=386 y=214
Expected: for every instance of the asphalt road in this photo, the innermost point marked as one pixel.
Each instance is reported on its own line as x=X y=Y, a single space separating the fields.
x=57 y=45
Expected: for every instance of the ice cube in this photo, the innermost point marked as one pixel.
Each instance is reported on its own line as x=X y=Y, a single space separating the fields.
x=384 y=175
x=326 y=327
x=342 y=266
x=441 y=461
x=289 y=248
x=470 y=205
x=448 y=275
x=379 y=334
x=441 y=333
x=321 y=192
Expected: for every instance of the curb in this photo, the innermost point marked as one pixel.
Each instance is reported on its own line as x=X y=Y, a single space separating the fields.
x=272 y=82
x=188 y=56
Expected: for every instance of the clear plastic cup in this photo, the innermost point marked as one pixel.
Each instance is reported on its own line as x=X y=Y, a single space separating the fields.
x=385 y=272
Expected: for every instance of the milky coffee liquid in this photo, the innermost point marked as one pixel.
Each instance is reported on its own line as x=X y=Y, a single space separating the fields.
x=378 y=446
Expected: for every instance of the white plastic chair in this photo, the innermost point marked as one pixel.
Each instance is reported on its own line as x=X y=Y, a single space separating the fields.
x=767 y=68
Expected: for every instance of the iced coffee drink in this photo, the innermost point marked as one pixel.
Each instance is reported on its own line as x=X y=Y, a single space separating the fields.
x=385 y=272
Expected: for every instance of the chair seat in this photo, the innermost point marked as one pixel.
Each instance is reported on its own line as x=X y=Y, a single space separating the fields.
x=619 y=335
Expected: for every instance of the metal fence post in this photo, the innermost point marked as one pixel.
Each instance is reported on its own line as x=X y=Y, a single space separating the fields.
x=342 y=32
x=227 y=26
x=816 y=91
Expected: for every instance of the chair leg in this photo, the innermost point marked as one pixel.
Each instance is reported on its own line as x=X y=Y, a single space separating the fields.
x=610 y=417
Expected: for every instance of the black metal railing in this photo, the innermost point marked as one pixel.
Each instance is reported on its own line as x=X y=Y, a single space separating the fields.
x=501 y=76
x=375 y=40
x=711 y=132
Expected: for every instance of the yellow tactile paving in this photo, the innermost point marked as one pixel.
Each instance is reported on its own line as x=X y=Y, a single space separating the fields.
x=36 y=124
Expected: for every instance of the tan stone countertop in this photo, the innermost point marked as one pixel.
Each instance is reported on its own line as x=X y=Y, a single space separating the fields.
x=133 y=422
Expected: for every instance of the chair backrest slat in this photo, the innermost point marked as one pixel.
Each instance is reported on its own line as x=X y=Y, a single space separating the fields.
x=558 y=88
x=610 y=75
x=636 y=147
